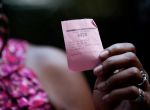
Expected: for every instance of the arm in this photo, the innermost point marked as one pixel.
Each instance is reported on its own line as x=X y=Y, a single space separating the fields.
x=66 y=89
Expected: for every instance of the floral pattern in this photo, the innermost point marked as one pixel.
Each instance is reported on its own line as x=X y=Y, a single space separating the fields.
x=19 y=87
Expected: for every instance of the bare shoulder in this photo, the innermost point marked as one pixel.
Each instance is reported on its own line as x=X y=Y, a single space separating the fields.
x=44 y=55
x=60 y=83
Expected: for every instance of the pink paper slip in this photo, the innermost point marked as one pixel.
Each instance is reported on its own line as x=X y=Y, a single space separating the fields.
x=83 y=44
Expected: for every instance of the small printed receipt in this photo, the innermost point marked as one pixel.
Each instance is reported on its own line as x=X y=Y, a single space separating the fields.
x=83 y=44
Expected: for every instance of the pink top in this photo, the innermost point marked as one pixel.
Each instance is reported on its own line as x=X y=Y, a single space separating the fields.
x=19 y=87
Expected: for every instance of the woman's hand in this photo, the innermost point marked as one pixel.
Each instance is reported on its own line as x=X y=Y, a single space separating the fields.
x=122 y=83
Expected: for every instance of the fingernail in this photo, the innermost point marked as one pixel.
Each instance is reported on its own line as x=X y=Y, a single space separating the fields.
x=104 y=54
x=105 y=97
x=98 y=70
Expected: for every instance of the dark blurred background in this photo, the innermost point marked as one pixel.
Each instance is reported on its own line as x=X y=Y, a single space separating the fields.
x=38 y=21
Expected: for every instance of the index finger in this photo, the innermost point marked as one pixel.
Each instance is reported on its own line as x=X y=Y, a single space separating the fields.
x=117 y=49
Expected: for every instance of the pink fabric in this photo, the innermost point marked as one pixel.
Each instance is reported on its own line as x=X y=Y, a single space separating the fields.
x=19 y=87
x=83 y=44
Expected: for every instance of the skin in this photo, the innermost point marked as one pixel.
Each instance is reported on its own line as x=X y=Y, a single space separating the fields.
x=67 y=90
x=112 y=91
x=117 y=91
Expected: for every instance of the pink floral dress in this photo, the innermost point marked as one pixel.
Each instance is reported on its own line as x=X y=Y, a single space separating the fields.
x=19 y=87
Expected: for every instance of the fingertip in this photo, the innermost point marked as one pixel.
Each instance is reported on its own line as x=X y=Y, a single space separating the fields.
x=106 y=97
x=104 y=54
x=95 y=71
x=98 y=70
